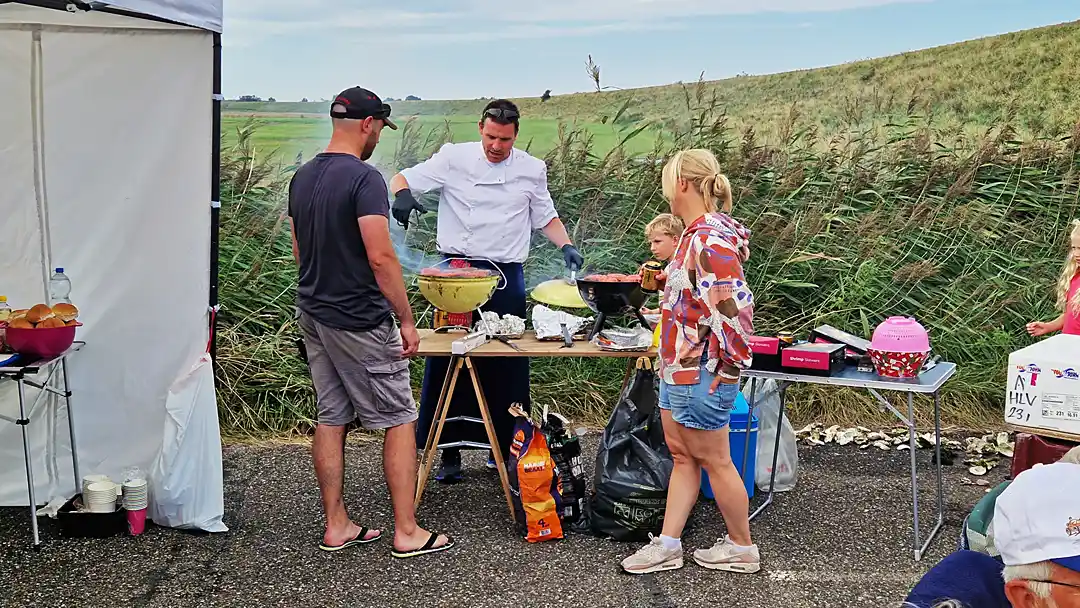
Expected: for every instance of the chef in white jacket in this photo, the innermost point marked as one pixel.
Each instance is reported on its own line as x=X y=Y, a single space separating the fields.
x=492 y=198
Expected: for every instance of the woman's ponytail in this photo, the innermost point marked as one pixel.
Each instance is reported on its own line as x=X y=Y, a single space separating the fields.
x=721 y=189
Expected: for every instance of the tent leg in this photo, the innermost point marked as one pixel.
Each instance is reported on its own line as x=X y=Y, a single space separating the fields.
x=24 y=422
x=215 y=195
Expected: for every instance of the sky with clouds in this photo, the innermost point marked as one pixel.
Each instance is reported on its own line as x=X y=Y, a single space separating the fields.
x=463 y=49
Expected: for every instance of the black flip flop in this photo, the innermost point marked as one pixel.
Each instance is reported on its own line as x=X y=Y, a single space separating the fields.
x=427 y=548
x=357 y=540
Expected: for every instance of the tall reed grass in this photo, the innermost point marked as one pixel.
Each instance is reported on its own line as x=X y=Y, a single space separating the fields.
x=964 y=233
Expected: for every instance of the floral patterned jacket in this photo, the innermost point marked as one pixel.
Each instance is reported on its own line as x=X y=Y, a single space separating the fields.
x=707 y=309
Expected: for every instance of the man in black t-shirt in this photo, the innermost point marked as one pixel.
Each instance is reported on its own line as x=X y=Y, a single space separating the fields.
x=350 y=288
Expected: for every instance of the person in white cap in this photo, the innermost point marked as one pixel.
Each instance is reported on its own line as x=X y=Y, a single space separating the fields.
x=1037 y=523
x=1037 y=527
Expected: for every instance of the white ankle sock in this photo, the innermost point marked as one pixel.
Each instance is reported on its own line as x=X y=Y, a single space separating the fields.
x=671 y=543
x=740 y=548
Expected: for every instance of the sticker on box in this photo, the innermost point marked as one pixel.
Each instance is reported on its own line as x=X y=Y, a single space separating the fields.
x=1060 y=406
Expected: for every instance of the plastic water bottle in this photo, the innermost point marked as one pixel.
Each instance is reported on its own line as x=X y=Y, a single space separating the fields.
x=59 y=287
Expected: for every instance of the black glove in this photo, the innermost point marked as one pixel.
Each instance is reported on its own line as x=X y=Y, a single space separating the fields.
x=403 y=206
x=573 y=259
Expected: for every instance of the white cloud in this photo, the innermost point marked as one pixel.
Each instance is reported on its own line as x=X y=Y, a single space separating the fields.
x=427 y=22
x=530 y=32
x=246 y=26
x=630 y=10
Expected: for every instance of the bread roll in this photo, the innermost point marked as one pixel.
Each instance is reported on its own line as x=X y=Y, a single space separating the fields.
x=18 y=314
x=39 y=313
x=65 y=312
x=51 y=322
x=20 y=323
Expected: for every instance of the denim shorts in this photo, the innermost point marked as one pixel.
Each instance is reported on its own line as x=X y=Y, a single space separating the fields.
x=692 y=406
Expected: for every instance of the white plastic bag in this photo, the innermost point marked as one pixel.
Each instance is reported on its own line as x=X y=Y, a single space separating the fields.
x=767 y=408
x=186 y=479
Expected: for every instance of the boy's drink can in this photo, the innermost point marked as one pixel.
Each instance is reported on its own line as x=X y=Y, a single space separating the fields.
x=786 y=337
x=648 y=275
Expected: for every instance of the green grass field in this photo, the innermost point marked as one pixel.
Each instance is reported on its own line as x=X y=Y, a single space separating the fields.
x=288 y=135
x=1027 y=78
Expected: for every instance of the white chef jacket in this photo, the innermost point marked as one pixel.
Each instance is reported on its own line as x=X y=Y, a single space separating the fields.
x=486 y=210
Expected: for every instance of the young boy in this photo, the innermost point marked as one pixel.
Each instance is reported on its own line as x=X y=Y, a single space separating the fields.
x=663 y=234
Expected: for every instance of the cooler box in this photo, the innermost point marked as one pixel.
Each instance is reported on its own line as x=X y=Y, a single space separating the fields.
x=1032 y=450
x=737 y=436
x=1043 y=390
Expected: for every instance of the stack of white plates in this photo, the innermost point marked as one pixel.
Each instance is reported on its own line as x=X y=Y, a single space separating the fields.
x=135 y=496
x=89 y=479
x=100 y=497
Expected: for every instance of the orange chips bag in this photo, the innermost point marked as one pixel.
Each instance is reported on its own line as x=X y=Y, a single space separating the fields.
x=534 y=484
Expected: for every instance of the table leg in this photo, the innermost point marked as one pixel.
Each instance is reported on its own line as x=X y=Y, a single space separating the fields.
x=626 y=377
x=71 y=428
x=782 y=386
x=493 y=439
x=914 y=477
x=920 y=551
x=749 y=423
x=24 y=422
x=451 y=368
x=442 y=407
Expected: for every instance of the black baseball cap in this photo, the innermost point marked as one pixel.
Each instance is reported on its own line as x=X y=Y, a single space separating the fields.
x=360 y=103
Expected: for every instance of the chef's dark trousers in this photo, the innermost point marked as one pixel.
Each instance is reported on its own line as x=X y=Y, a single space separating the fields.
x=504 y=380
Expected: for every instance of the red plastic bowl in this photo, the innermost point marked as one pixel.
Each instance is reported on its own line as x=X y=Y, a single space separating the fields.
x=42 y=342
x=893 y=364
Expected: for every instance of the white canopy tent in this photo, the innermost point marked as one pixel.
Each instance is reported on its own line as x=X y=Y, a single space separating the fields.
x=109 y=124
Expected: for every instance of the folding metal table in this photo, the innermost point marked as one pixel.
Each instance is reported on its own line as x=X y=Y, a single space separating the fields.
x=927 y=383
x=21 y=373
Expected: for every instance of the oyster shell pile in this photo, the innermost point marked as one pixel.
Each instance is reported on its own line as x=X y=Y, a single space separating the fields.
x=983 y=453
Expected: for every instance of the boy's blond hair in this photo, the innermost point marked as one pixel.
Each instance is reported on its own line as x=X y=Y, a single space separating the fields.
x=665 y=223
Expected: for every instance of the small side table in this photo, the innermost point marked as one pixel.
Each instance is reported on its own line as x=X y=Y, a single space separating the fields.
x=19 y=372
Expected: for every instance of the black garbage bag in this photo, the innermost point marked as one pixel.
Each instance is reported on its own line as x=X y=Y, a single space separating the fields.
x=633 y=464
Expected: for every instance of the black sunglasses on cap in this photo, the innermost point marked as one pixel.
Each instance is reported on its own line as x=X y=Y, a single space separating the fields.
x=502 y=113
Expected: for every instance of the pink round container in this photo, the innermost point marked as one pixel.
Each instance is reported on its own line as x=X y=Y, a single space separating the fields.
x=899 y=347
x=900 y=335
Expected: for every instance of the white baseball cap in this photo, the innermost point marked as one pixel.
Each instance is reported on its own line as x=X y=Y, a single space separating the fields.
x=1037 y=518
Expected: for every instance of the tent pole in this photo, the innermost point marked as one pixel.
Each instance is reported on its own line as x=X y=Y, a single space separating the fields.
x=215 y=196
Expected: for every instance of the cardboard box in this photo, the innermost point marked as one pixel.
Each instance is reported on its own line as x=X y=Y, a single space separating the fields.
x=1043 y=390
x=813 y=359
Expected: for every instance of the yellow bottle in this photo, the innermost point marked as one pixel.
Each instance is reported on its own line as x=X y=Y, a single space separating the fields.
x=5 y=314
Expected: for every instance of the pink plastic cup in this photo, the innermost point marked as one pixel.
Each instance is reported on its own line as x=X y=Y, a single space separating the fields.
x=136 y=521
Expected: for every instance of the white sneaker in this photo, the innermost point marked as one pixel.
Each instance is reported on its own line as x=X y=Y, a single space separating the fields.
x=725 y=555
x=653 y=557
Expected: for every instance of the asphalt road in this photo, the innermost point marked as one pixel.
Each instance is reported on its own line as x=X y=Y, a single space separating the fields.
x=841 y=538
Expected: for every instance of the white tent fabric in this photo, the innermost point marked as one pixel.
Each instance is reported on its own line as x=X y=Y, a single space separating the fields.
x=105 y=165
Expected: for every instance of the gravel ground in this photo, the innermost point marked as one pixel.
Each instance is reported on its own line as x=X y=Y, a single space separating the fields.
x=841 y=538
